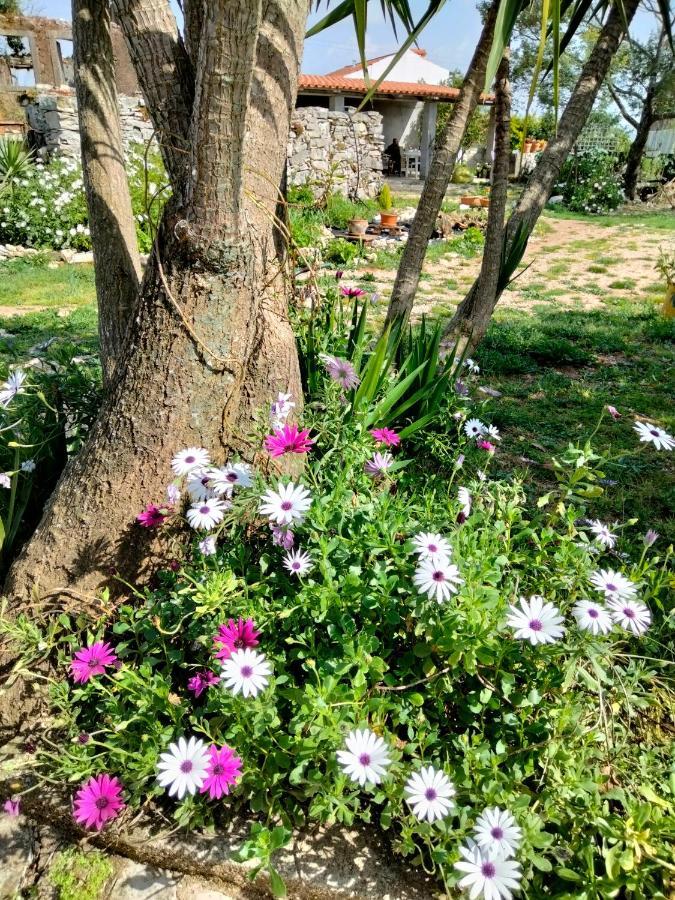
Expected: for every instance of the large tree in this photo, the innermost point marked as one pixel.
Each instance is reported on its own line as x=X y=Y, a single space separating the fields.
x=210 y=339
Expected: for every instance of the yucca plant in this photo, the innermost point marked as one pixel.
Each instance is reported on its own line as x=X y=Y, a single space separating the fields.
x=15 y=161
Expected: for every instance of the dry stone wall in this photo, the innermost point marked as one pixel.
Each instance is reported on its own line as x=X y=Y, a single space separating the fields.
x=344 y=148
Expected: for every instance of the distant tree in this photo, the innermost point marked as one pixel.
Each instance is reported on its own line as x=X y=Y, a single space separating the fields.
x=642 y=85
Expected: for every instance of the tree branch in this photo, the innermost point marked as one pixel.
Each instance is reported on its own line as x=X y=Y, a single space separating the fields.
x=226 y=63
x=622 y=109
x=165 y=76
x=194 y=19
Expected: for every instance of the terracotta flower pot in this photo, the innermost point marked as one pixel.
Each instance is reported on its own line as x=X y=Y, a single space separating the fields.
x=485 y=202
x=357 y=226
x=388 y=219
x=528 y=147
x=471 y=201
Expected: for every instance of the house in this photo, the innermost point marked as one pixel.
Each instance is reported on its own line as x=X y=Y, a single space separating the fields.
x=407 y=99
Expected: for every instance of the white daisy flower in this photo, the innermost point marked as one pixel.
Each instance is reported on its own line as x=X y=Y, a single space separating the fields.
x=190 y=458
x=286 y=505
x=487 y=876
x=183 y=768
x=246 y=672
x=497 y=833
x=431 y=546
x=437 y=578
x=472 y=366
x=429 y=792
x=493 y=432
x=652 y=434
x=366 y=758
x=172 y=494
x=474 y=428
x=5 y=480
x=207 y=546
x=199 y=484
x=28 y=465
x=464 y=498
x=603 y=535
x=630 y=614
x=233 y=475
x=206 y=513
x=298 y=562
x=536 y=621
x=613 y=585
x=592 y=617
x=12 y=387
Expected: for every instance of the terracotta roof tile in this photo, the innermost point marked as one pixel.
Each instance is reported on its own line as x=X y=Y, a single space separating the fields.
x=340 y=84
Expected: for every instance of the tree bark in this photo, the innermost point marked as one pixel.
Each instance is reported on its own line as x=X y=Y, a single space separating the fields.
x=440 y=172
x=479 y=303
x=211 y=342
x=113 y=232
x=166 y=77
x=637 y=148
x=539 y=186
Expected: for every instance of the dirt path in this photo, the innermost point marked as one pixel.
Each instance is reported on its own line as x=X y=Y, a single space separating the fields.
x=575 y=264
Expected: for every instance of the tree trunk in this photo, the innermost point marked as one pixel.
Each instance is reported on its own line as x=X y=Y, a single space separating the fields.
x=113 y=233
x=539 y=186
x=440 y=172
x=211 y=342
x=477 y=306
x=637 y=148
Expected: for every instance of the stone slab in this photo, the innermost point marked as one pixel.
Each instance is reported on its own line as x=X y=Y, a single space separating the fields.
x=16 y=854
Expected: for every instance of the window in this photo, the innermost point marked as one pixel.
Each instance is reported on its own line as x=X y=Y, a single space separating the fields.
x=16 y=62
x=66 y=61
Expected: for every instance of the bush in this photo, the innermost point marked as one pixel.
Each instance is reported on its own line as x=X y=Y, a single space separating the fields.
x=589 y=183
x=462 y=174
x=341 y=252
x=46 y=207
x=339 y=210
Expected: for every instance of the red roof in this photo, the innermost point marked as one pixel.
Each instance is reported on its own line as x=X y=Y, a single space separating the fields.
x=339 y=84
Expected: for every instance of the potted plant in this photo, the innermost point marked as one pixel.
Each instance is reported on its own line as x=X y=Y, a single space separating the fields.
x=666 y=266
x=357 y=226
x=388 y=215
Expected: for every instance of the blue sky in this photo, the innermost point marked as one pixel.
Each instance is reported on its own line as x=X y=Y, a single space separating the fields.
x=449 y=40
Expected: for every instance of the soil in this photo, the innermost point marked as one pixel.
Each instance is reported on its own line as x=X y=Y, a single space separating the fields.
x=576 y=265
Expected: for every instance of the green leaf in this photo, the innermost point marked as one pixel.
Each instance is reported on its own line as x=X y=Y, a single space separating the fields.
x=506 y=19
x=277 y=884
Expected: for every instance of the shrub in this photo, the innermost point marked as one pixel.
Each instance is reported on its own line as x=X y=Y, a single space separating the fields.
x=385 y=199
x=589 y=183
x=339 y=210
x=47 y=208
x=462 y=174
x=341 y=252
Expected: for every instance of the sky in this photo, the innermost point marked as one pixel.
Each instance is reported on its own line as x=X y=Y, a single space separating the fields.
x=449 y=40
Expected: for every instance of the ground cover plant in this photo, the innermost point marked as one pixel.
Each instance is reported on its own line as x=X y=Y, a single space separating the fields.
x=480 y=672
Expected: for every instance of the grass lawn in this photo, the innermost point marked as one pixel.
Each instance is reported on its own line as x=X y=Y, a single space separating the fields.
x=29 y=282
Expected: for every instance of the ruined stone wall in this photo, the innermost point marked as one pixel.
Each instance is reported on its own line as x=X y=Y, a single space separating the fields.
x=345 y=147
x=53 y=116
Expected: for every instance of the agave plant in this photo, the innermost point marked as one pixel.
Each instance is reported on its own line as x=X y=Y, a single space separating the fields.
x=15 y=161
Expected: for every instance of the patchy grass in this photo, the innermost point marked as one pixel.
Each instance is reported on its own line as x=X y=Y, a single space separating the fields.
x=29 y=282
x=662 y=220
x=77 y=875
x=557 y=371
x=622 y=284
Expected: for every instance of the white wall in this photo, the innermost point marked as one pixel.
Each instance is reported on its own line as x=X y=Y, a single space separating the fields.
x=411 y=67
x=400 y=119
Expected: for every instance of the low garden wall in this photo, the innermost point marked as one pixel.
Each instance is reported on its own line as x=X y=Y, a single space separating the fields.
x=340 y=149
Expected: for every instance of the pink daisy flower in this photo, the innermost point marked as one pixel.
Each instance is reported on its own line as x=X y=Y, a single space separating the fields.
x=98 y=801
x=240 y=635
x=12 y=807
x=378 y=464
x=342 y=371
x=201 y=681
x=386 y=436
x=151 y=517
x=90 y=661
x=282 y=537
x=223 y=772
x=614 y=412
x=289 y=440
x=351 y=292
x=338 y=274
x=486 y=445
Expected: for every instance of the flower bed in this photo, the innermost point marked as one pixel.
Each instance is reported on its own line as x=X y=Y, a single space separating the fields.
x=377 y=642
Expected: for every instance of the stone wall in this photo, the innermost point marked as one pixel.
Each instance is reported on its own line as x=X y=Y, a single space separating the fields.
x=343 y=146
x=52 y=114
